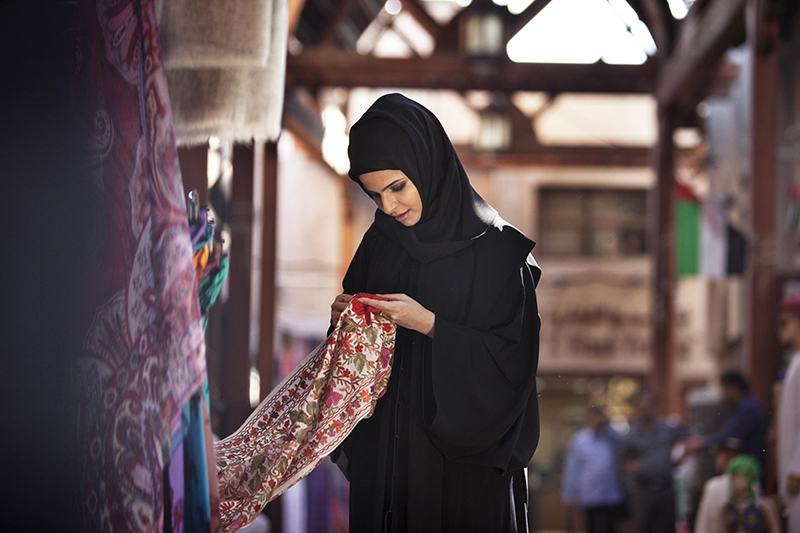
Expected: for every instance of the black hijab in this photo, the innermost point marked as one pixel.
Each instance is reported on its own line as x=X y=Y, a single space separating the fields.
x=399 y=134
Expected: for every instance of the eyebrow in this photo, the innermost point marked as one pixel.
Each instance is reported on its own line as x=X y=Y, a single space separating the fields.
x=392 y=184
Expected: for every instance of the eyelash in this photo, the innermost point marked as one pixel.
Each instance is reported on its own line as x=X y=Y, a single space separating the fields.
x=397 y=188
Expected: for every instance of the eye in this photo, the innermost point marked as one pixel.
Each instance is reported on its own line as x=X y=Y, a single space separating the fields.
x=399 y=187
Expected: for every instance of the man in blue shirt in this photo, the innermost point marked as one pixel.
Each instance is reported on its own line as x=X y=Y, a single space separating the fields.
x=748 y=421
x=590 y=473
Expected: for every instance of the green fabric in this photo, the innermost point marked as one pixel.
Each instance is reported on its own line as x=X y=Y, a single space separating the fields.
x=209 y=287
x=687 y=237
x=748 y=466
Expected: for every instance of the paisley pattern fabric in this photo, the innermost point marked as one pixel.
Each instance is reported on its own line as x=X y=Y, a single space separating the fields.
x=307 y=416
x=143 y=357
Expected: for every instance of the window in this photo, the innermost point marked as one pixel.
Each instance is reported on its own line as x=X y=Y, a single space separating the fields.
x=592 y=222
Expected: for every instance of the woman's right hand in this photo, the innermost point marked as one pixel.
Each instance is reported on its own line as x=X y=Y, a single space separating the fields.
x=338 y=305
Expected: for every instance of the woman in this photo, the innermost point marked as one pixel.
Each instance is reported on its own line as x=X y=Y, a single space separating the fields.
x=446 y=447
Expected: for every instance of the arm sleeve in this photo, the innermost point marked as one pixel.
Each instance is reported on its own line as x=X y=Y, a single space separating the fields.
x=704 y=520
x=740 y=425
x=569 y=492
x=480 y=382
x=794 y=462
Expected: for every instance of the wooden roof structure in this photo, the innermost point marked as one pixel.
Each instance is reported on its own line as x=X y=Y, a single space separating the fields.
x=687 y=67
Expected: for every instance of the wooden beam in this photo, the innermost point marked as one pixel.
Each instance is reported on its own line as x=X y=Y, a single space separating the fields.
x=343 y=10
x=320 y=68
x=762 y=349
x=269 y=221
x=236 y=354
x=560 y=156
x=522 y=19
x=702 y=40
x=662 y=207
x=415 y=9
x=194 y=170
x=658 y=19
x=302 y=118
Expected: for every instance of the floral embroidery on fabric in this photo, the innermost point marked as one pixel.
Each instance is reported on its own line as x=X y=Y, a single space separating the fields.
x=307 y=416
x=143 y=357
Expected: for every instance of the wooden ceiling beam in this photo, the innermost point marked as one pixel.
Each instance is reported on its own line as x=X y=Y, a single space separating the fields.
x=522 y=19
x=702 y=40
x=303 y=118
x=415 y=9
x=658 y=19
x=332 y=68
x=560 y=156
x=343 y=10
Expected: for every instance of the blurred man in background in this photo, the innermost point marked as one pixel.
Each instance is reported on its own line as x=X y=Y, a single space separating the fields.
x=591 y=482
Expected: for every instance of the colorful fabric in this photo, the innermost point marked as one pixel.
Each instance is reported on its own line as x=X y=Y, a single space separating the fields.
x=307 y=416
x=687 y=237
x=749 y=519
x=210 y=264
x=143 y=357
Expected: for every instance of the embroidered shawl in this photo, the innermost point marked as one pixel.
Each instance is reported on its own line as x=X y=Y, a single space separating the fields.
x=307 y=416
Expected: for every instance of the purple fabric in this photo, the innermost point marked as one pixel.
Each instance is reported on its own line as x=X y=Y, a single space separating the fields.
x=198 y=229
x=177 y=496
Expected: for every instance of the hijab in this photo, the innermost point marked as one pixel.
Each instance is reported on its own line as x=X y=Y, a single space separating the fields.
x=397 y=133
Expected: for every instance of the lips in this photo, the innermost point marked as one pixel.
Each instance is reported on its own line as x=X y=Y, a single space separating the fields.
x=402 y=216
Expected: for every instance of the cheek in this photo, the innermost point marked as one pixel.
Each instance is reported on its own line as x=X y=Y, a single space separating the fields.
x=413 y=200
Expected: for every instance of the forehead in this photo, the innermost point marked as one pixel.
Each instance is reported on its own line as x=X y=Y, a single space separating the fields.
x=380 y=179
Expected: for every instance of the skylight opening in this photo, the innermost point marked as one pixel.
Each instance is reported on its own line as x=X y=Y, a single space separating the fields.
x=583 y=32
x=679 y=8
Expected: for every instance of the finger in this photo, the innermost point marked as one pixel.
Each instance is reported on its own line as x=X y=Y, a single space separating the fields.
x=394 y=296
x=377 y=304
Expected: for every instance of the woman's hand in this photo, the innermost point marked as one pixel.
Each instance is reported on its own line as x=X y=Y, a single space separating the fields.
x=404 y=311
x=338 y=305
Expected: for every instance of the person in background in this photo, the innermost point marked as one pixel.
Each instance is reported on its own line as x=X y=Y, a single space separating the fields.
x=788 y=427
x=748 y=421
x=717 y=490
x=645 y=457
x=590 y=474
x=744 y=512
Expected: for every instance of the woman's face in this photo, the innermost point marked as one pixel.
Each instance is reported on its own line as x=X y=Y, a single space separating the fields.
x=395 y=194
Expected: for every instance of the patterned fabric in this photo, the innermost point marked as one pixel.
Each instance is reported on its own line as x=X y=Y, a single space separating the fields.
x=307 y=416
x=143 y=357
x=749 y=519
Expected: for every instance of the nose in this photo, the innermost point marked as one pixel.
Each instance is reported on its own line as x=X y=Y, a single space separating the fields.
x=389 y=204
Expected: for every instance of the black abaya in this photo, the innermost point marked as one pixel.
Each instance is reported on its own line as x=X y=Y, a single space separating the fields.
x=445 y=448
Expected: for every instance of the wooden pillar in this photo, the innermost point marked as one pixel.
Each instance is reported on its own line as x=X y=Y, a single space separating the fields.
x=269 y=205
x=762 y=356
x=236 y=343
x=194 y=170
x=662 y=377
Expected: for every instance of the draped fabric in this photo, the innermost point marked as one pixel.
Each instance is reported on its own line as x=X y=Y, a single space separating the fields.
x=307 y=416
x=446 y=446
x=399 y=134
x=143 y=435
x=226 y=65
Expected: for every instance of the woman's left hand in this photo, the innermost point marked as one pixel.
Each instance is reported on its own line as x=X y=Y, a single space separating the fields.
x=404 y=311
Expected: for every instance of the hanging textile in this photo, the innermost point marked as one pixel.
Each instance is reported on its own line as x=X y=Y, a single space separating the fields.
x=226 y=65
x=143 y=436
x=307 y=416
x=210 y=264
